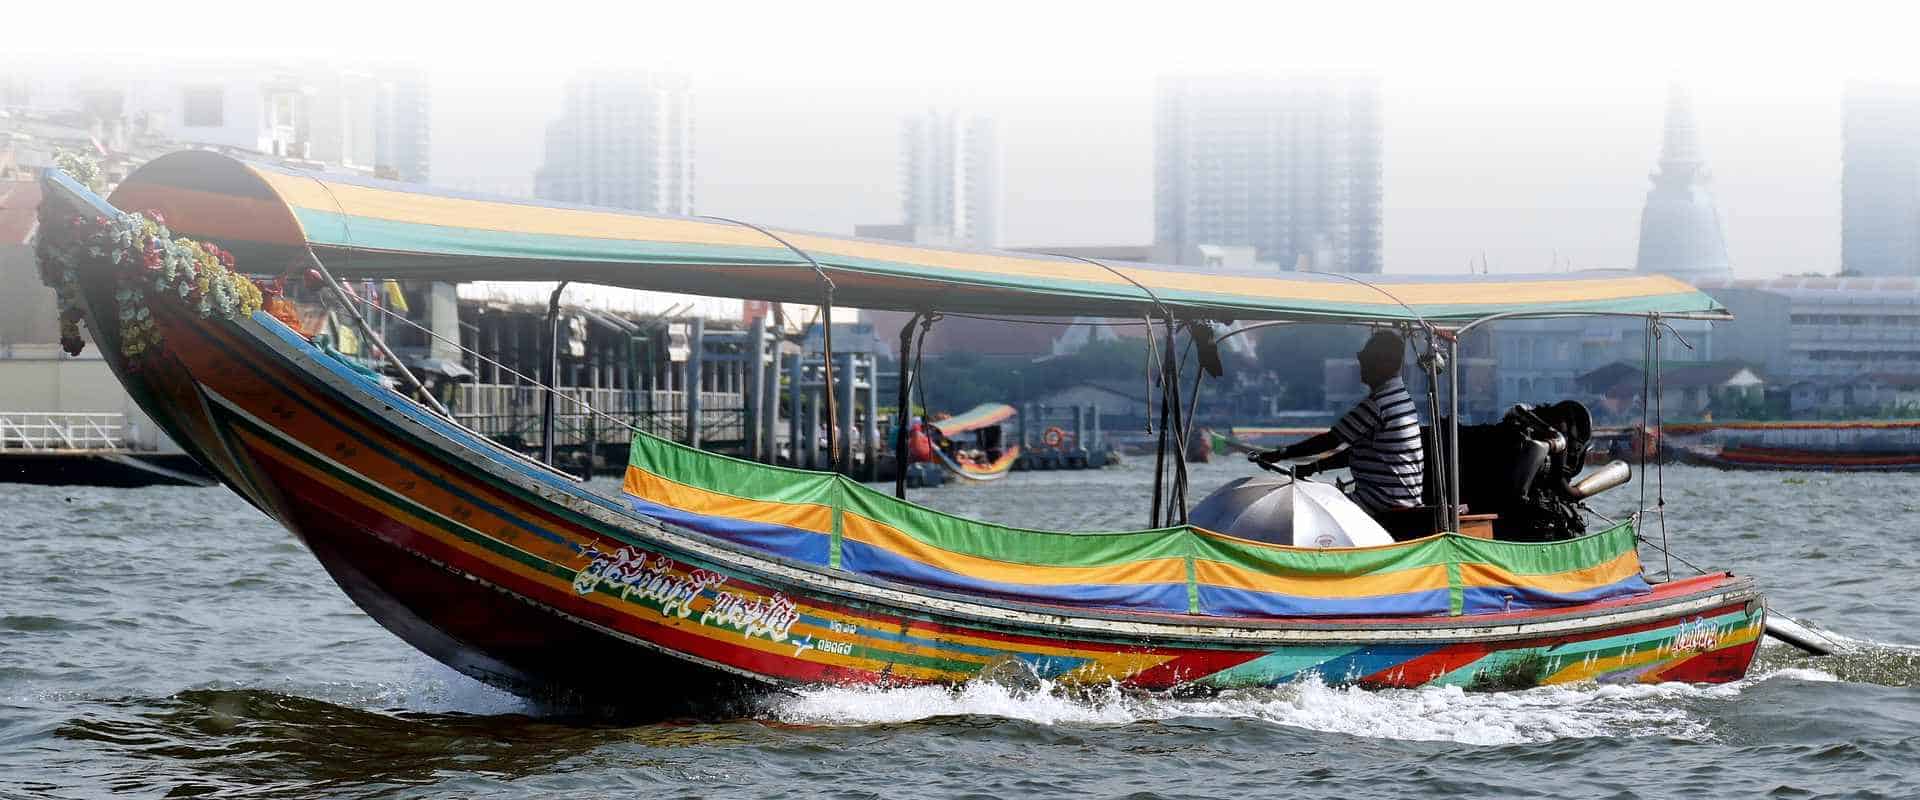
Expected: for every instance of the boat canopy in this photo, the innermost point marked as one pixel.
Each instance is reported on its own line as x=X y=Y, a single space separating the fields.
x=833 y=522
x=271 y=215
x=980 y=416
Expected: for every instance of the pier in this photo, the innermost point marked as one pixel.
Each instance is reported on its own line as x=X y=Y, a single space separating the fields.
x=95 y=449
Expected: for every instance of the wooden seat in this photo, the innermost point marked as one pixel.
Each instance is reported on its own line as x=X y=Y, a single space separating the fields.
x=1405 y=524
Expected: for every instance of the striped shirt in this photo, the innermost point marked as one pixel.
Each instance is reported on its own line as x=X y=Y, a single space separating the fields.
x=1383 y=448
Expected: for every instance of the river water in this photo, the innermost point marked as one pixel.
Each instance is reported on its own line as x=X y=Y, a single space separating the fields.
x=174 y=642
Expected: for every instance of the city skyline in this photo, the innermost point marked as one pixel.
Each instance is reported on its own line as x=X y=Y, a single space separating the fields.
x=1520 y=130
x=950 y=176
x=622 y=140
x=1289 y=166
x=1081 y=175
x=1456 y=185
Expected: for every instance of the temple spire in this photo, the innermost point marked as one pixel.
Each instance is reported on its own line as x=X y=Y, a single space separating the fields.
x=1680 y=149
x=1680 y=230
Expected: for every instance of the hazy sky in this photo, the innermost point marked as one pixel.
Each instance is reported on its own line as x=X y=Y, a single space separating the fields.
x=1523 y=130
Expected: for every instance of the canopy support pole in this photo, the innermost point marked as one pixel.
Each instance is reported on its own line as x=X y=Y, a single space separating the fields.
x=826 y=319
x=1177 y=496
x=551 y=366
x=901 y=415
x=378 y=342
x=1430 y=364
x=1159 y=465
x=1451 y=449
x=826 y=363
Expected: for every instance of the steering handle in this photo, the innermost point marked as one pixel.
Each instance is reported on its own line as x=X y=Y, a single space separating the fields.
x=1274 y=468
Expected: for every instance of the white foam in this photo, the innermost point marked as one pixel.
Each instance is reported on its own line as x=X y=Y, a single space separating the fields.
x=437 y=688
x=1443 y=714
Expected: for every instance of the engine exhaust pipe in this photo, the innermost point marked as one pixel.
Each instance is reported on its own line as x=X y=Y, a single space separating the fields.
x=1613 y=474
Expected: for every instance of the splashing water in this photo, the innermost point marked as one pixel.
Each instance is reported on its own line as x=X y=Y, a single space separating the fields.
x=1434 y=714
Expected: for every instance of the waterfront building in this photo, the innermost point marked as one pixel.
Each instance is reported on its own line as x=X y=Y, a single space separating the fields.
x=1288 y=166
x=324 y=116
x=951 y=178
x=623 y=140
x=1680 y=232
x=1834 y=328
x=1880 y=180
x=341 y=112
x=1541 y=360
x=404 y=127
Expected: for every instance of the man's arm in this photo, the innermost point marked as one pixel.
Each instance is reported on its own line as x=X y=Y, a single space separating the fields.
x=1316 y=444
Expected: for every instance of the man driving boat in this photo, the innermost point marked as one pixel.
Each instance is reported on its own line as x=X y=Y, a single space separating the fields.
x=1378 y=440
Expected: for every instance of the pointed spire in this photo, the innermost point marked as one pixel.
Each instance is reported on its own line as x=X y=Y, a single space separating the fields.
x=1680 y=151
x=1680 y=227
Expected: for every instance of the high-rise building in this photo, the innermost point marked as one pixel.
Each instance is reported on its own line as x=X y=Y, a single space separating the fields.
x=1288 y=166
x=952 y=177
x=342 y=117
x=1880 y=180
x=623 y=140
x=403 y=133
x=1680 y=226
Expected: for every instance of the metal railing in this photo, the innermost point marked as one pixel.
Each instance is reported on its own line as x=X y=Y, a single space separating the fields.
x=54 y=430
x=512 y=413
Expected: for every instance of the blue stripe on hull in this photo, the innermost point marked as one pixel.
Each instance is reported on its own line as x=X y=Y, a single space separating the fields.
x=1232 y=602
x=1497 y=599
x=865 y=559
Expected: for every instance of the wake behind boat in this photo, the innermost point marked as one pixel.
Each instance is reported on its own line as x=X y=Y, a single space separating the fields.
x=712 y=576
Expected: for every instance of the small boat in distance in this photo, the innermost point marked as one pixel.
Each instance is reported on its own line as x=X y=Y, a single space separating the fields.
x=708 y=577
x=971 y=445
x=1799 y=445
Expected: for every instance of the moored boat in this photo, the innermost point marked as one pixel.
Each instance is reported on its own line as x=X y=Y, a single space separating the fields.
x=709 y=576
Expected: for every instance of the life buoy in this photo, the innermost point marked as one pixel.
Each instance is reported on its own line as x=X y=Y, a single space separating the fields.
x=1054 y=437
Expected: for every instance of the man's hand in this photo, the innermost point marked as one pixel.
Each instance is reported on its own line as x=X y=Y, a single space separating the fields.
x=1272 y=456
x=1304 y=470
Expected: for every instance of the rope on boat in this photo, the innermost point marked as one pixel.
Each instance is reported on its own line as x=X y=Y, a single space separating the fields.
x=920 y=349
x=826 y=333
x=584 y=405
x=1169 y=390
x=1659 y=465
x=1670 y=554
x=334 y=285
x=1646 y=429
x=372 y=336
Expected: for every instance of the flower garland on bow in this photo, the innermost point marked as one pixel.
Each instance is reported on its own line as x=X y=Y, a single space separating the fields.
x=151 y=259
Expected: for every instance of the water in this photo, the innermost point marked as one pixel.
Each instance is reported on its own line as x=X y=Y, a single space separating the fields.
x=174 y=642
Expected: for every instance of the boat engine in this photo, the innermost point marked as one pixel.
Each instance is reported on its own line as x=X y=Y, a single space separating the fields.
x=1526 y=468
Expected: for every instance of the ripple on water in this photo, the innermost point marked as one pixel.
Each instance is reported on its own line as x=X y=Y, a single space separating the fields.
x=201 y=650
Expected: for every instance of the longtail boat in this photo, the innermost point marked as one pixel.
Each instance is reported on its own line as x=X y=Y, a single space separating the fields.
x=986 y=462
x=709 y=576
x=1800 y=445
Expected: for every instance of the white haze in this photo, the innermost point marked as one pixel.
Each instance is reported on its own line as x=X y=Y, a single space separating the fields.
x=1523 y=130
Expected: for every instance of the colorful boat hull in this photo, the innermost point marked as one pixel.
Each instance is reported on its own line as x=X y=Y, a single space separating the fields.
x=519 y=577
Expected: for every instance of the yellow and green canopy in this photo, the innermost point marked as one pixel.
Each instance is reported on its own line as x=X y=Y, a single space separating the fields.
x=370 y=228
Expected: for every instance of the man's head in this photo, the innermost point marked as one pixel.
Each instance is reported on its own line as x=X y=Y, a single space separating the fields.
x=1380 y=359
